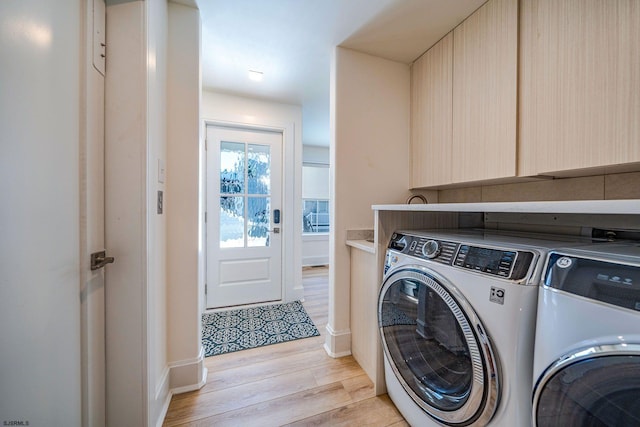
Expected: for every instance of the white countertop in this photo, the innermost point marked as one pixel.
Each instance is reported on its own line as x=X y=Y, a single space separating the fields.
x=363 y=245
x=574 y=207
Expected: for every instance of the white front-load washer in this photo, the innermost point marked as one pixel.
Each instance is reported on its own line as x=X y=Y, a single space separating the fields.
x=587 y=348
x=457 y=313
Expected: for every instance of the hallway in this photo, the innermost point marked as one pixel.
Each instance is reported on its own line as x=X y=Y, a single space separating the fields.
x=293 y=383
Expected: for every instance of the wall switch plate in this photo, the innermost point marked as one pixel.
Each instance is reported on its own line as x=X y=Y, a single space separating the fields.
x=161 y=171
x=160 y=202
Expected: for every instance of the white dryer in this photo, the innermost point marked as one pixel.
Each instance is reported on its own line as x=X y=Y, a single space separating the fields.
x=587 y=348
x=457 y=316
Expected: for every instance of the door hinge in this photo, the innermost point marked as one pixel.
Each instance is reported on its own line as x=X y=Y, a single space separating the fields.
x=205 y=288
x=205 y=217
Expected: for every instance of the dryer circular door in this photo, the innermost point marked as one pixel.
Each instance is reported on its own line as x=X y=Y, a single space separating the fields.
x=437 y=347
x=596 y=386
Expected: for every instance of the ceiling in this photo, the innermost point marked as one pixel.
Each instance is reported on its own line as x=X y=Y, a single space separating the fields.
x=290 y=42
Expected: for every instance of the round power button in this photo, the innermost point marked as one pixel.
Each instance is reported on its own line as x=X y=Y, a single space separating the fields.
x=431 y=249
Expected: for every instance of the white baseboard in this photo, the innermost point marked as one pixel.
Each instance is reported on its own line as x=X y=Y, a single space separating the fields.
x=188 y=375
x=310 y=261
x=177 y=390
x=337 y=343
x=165 y=408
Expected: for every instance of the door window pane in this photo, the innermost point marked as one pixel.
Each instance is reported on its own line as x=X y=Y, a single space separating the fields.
x=244 y=218
x=258 y=221
x=232 y=165
x=231 y=222
x=258 y=169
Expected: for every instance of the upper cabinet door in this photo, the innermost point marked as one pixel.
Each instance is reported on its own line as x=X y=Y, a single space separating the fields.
x=579 y=85
x=431 y=100
x=485 y=66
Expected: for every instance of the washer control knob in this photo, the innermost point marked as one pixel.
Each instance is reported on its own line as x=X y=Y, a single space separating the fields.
x=431 y=249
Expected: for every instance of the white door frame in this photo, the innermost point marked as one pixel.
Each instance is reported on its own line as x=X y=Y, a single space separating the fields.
x=254 y=281
x=92 y=234
x=291 y=202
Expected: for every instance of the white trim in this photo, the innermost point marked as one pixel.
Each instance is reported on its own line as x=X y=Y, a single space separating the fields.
x=164 y=380
x=311 y=261
x=193 y=387
x=575 y=206
x=180 y=367
x=338 y=343
x=312 y=237
x=291 y=244
x=187 y=362
x=271 y=284
x=165 y=409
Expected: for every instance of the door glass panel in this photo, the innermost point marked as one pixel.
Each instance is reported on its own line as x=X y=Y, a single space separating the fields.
x=258 y=221
x=602 y=391
x=244 y=218
x=427 y=344
x=232 y=164
x=232 y=222
x=259 y=169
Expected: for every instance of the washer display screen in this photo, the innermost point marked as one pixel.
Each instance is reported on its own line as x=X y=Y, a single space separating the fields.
x=486 y=260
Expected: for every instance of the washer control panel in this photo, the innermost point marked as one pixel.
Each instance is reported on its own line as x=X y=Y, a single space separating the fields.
x=487 y=260
x=505 y=263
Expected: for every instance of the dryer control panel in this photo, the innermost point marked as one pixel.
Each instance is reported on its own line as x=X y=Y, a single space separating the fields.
x=501 y=262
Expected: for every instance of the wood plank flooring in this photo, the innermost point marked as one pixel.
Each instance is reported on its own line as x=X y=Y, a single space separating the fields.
x=290 y=384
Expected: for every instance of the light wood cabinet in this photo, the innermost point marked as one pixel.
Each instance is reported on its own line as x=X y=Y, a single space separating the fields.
x=464 y=99
x=485 y=61
x=579 y=104
x=431 y=115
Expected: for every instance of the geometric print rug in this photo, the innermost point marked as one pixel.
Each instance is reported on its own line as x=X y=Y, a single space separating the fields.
x=241 y=329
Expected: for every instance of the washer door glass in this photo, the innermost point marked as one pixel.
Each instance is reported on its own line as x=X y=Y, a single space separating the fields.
x=432 y=347
x=593 y=392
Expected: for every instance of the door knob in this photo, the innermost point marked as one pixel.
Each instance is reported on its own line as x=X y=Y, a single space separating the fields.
x=100 y=259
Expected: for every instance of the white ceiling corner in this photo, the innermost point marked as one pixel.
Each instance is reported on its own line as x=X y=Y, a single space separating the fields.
x=290 y=41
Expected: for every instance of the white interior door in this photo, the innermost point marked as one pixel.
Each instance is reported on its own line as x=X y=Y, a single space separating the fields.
x=244 y=223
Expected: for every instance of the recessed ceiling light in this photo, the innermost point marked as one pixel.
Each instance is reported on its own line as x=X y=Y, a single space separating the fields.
x=256 y=76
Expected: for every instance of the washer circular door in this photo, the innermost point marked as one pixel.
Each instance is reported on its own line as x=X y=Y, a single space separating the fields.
x=597 y=386
x=437 y=347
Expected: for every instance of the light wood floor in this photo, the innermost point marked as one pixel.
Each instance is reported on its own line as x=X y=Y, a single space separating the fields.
x=293 y=384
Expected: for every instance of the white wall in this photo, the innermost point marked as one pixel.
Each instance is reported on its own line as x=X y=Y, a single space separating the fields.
x=184 y=251
x=126 y=214
x=369 y=155
x=135 y=139
x=315 y=154
x=40 y=77
x=235 y=110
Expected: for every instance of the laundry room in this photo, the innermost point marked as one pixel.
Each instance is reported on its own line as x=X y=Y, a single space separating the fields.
x=526 y=151
x=483 y=309
x=442 y=198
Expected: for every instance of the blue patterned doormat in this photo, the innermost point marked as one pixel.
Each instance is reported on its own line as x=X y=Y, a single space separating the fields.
x=241 y=329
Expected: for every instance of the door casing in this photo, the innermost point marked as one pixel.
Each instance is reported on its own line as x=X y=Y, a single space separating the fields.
x=291 y=194
x=255 y=273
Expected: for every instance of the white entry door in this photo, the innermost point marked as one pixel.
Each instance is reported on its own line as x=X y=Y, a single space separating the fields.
x=244 y=220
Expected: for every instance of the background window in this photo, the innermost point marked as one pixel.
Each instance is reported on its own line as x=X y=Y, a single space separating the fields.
x=315 y=199
x=315 y=216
